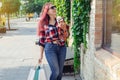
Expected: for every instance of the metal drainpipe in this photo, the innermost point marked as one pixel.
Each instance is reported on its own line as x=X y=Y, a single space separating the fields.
x=104 y=23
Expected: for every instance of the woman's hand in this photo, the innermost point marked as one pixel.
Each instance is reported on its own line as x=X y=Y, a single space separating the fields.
x=43 y=15
x=40 y=59
x=62 y=25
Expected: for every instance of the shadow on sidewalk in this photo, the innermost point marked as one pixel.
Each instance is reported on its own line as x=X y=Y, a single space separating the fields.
x=65 y=77
x=15 y=73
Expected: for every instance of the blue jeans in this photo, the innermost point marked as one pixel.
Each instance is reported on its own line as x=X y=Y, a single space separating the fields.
x=55 y=56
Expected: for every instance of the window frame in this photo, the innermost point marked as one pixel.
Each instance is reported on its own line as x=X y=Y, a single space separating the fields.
x=106 y=45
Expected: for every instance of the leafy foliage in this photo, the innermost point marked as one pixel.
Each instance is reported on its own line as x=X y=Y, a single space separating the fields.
x=10 y=6
x=116 y=11
x=34 y=5
x=63 y=9
x=80 y=12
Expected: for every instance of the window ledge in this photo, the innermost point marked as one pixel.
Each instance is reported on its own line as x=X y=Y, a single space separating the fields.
x=112 y=52
x=107 y=65
x=106 y=58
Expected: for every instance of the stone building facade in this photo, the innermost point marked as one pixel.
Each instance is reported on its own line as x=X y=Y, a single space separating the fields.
x=98 y=63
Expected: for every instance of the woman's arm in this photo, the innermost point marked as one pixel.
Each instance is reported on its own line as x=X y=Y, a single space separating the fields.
x=41 y=34
x=41 y=54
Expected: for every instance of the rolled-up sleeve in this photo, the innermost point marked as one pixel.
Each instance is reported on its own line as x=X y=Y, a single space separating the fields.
x=41 y=34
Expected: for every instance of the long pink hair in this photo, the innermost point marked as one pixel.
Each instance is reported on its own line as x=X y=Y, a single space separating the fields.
x=44 y=18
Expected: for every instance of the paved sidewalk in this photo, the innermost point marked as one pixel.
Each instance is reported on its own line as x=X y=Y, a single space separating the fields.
x=18 y=52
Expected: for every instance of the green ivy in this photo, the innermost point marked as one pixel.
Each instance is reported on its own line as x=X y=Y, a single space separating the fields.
x=81 y=20
x=63 y=9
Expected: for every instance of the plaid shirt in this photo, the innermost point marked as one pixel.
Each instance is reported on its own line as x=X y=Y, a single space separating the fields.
x=50 y=33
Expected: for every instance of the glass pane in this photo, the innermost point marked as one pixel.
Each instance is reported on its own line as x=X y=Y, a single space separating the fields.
x=115 y=44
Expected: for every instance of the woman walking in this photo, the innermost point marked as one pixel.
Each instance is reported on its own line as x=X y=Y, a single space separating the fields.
x=54 y=47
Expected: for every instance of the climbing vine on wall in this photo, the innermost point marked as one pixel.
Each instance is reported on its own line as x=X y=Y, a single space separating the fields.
x=67 y=10
x=81 y=20
x=63 y=9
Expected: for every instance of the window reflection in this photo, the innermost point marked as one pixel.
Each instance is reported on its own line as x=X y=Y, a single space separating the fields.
x=115 y=44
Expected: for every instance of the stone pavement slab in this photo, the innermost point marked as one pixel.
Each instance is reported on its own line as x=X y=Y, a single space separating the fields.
x=18 y=52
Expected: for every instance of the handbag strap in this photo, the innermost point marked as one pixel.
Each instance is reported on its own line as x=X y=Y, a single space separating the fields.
x=36 y=76
x=38 y=66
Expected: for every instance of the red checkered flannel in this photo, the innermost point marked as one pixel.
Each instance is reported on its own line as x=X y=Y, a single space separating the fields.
x=50 y=33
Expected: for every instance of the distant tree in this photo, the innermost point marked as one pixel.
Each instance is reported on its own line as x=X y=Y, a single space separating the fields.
x=9 y=7
x=116 y=8
x=34 y=5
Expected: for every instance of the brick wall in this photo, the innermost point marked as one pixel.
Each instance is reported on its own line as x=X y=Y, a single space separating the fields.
x=98 y=21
